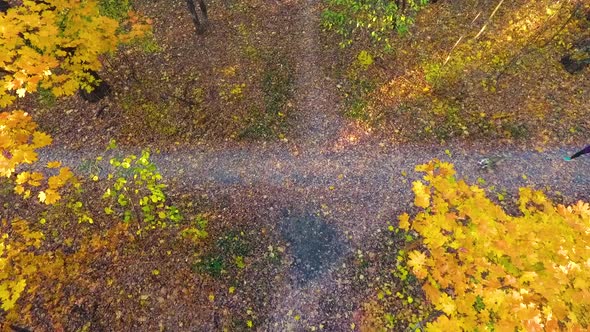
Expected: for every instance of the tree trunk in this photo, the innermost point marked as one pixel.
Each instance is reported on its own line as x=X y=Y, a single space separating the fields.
x=200 y=16
x=4 y=6
x=99 y=92
x=401 y=6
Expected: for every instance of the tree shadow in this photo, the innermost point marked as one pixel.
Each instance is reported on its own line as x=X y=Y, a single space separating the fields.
x=315 y=244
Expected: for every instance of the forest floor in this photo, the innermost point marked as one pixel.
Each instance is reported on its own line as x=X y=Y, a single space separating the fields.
x=307 y=212
x=322 y=209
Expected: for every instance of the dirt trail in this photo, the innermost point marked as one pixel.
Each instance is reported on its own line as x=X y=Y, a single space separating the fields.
x=318 y=124
x=318 y=121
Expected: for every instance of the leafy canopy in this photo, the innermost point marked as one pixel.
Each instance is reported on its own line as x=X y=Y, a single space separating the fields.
x=54 y=44
x=376 y=19
x=19 y=140
x=482 y=268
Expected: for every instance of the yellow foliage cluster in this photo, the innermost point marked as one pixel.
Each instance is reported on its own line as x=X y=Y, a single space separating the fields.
x=19 y=138
x=16 y=261
x=483 y=268
x=31 y=274
x=54 y=43
x=51 y=194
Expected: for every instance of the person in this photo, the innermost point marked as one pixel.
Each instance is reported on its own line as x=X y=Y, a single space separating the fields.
x=579 y=153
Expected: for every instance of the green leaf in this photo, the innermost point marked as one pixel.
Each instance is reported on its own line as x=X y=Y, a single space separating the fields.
x=365 y=59
x=112 y=144
x=239 y=260
x=122 y=200
x=127 y=216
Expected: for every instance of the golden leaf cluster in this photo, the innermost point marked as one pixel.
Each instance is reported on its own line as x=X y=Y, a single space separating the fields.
x=54 y=44
x=482 y=267
x=17 y=260
x=32 y=273
x=19 y=140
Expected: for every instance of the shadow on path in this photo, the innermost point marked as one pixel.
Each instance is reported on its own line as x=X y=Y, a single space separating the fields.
x=315 y=244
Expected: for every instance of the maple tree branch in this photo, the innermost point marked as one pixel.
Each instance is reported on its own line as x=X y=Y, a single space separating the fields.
x=17 y=328
x=137 y=214
x=412 y=245
x=131 y=67
x=420 y=324
x=527 y=49
x=6 y=72
x=200 y=26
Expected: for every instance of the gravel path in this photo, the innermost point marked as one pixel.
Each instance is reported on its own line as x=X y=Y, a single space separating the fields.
x=318 y=120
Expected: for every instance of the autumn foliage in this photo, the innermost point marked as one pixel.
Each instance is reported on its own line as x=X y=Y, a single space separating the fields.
x=54 y=45
x=19 y=140
x=48 y=254
x=35 y=278
x=483 y=268
x=19 y=262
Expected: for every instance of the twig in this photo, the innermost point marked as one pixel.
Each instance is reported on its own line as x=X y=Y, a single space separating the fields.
x=130 y=64
x=459 y=40
x=489 y=20
x=186 y=101
x=420 y=326
x=412 y=245
x=137 y=214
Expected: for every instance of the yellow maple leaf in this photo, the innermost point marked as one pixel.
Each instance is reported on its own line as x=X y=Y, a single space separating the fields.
x=57 y=181
x=53 y=164
x=581 y=283
x=434 y=239
x=41 y=139
x=6 y=99
x=21 y=92
x=446 y=169
x=42 y=196
x=24 y=156
x=444 y=324
x=19 y=189
x=417 y=259
x=22 y=178
x=35 y=179
x=446 y=304
x=422 y=193
x=404 y=221
x=432 y=293
x=528 y=276
x=582 y=208
x=49 y=196
x=10 y=292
